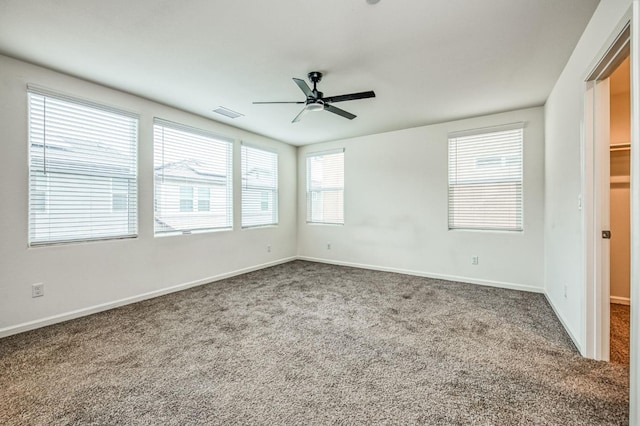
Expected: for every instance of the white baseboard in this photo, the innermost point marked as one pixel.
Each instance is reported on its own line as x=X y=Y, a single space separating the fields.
x=575 y=341
x=31 y=325
x=620 y=300
x=490 y=283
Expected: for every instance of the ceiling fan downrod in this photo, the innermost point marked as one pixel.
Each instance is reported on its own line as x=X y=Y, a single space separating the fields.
x=315 y=77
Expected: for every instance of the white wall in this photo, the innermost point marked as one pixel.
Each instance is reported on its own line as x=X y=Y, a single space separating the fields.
x=78 y=277
x=564 y=128
x=396 y=208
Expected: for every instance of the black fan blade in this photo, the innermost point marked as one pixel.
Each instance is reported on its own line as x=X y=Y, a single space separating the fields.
x=304 y=87
x=339 y=111
x=350 y=97
x=285 y=102
x=299 y=116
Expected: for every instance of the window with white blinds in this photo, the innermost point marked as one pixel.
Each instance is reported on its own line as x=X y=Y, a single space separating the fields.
x=485 y=179
x=192 y=180
x=325 y=187
x=259 y=187
x=82 y=170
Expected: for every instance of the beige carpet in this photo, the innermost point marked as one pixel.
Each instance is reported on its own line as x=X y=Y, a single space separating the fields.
x=306 y=343
x=619 y=334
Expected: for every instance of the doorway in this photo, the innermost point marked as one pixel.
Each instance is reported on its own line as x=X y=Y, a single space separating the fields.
x=619 y=212
x=623 y=44
x=597 y=188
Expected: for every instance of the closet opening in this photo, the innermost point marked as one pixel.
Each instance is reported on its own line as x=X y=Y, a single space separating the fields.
x=619 y=212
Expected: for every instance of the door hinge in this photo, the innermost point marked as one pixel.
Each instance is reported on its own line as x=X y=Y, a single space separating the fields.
x=606 y=235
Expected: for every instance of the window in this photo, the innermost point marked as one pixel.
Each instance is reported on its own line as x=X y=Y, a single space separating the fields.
x=186 y=198
x=325 y=187
x=485 y=179
x=82 y=170
x=259 y=187
x=204 y=199
x=192 y=179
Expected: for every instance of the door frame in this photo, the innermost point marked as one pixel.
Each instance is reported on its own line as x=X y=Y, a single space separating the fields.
x=596 y=212
x=593 y=330
x=596 y=190
x=634 y=367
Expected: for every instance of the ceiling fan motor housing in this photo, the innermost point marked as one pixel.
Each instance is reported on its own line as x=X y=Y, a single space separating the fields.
x=315 y=76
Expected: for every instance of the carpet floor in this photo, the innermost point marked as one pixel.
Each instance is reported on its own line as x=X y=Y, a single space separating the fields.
x=620 y=325
x=307 y=343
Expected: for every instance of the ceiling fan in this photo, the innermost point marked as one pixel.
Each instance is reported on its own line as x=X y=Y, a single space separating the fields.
x=317 y=102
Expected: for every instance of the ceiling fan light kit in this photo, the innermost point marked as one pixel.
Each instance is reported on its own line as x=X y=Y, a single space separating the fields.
x=315 y=106
x=316 y=100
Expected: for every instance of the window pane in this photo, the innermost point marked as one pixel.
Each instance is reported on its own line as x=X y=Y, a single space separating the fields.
x=119 y=191
x=325 y=188
x=204 y=200
x=38 y=196
x=119 y=202
x=186 y=198
x=259 y=187
x=186 y=158
x=82 y=171
x=485 y=181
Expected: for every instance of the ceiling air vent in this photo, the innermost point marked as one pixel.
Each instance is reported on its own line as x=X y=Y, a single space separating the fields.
x=227 y=112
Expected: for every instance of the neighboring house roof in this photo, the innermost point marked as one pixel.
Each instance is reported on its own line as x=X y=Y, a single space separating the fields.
x=88 y=157
x=190 y=170
x=82 y=157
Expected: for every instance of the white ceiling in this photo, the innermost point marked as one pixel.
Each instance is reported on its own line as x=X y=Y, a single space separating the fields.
x=428 y=61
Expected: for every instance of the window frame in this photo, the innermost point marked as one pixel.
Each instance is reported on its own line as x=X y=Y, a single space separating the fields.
x=518 y=200
x=102 y=114
x=271 y=191
x=225 y=146
x=314 y=194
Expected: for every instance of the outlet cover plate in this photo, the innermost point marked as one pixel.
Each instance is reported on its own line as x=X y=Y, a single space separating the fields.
x=37 y=290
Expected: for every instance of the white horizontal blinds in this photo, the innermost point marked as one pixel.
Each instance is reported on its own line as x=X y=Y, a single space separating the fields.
x=485 y=180
x=82 y=170
x=325 y=187
x=192 y=179
x=259 y=187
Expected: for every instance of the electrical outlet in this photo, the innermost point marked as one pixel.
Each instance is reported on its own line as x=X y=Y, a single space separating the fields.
x=328 y=246
x=269 y=248
x=474 y=260
x=37 y=290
